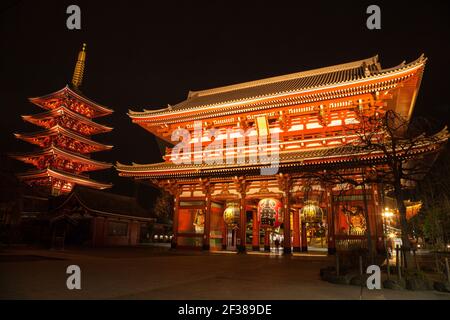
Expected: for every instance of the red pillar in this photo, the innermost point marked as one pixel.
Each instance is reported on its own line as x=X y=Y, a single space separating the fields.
x=304 y=237
x=206 y=229
x=242 y=227
x=287 y=226
x=255 y=241
x=224 y=236
x=296 y=230
x=331 y=217
x=175 y=222
x=267 y=239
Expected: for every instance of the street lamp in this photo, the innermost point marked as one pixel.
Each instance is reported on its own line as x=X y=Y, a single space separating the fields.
x=387 y=214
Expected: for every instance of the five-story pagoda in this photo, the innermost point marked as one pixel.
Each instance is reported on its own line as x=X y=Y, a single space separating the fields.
x=63 y=159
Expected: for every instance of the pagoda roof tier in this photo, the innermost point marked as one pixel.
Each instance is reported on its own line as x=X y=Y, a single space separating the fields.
x=74 y=100
x=33 y=156
x=314 y=159
x=334 y=82
x=62 y=176
x=40 y=138
x=46 y=120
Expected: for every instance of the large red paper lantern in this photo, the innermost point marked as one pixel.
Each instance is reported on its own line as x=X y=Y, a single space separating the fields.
x=270 y=213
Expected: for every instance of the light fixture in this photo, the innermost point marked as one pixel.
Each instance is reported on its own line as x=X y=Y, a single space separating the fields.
x=387 y=213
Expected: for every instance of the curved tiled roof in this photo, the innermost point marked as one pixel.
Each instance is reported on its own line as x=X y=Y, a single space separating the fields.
x=51 y=150
x=334 y=156
x=57 y=129
x=75 y=178
x=76 y=93
x=64 y=110
x=285 y=83
x=108 y=203
x=365 y=69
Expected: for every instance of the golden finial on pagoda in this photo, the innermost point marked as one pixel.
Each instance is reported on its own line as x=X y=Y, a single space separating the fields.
x=79 y=68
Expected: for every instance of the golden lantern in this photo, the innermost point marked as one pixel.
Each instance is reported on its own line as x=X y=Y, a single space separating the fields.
x=311 y=212
x=231 y=215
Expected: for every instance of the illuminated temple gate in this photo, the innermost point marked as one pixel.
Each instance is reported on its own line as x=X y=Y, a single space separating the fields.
x=310 y=112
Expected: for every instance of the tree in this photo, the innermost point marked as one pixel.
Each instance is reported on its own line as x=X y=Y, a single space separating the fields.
x=408 y=151
x=434 y=191
x=164 y=207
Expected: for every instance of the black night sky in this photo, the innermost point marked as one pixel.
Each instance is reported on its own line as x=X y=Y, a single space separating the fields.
x=146 y=54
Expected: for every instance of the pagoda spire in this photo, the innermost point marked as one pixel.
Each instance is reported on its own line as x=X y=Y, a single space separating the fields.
x=78 y=73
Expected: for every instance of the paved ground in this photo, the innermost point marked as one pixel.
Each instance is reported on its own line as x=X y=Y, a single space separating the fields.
x=156 y=273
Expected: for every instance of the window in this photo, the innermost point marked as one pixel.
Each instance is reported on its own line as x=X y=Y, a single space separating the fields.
x=117 y=228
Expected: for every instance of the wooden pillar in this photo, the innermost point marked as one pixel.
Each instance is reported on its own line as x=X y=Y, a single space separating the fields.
x=242 y=226
x=224 y=236
x=304 y=237
x=255 y=241
x=206 y=229
x=296 y=230
x=287 y=225
x=330 y=221
x=175 y=221
x=266 y=239
x=240 y=184
x=285 y=183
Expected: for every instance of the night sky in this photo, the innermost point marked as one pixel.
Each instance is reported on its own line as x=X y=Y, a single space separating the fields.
x=147 y=54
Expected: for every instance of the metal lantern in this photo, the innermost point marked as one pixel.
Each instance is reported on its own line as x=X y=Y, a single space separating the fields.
x=270 y=213
x=231 y=215
x=311 y=212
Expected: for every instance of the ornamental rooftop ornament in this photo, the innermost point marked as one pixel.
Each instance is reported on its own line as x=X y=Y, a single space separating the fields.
x=78 y=73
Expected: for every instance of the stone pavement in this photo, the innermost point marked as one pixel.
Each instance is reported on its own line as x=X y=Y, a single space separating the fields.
x=149 y=273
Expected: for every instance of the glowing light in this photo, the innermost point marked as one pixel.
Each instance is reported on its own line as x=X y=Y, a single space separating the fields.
x=313 y=126
x=296 y=127
x=351 y=121
x=335 y=123
x=387 y=213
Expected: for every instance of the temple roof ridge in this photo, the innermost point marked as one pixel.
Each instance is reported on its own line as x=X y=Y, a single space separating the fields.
x=318 y=71
x=305 y=82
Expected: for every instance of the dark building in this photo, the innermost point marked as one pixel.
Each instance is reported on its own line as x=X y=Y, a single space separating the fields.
x=97 y=218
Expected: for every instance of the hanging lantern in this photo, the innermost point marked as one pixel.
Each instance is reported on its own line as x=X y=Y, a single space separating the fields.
x=231 y=215
x=270 y=213
x=311 y=212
